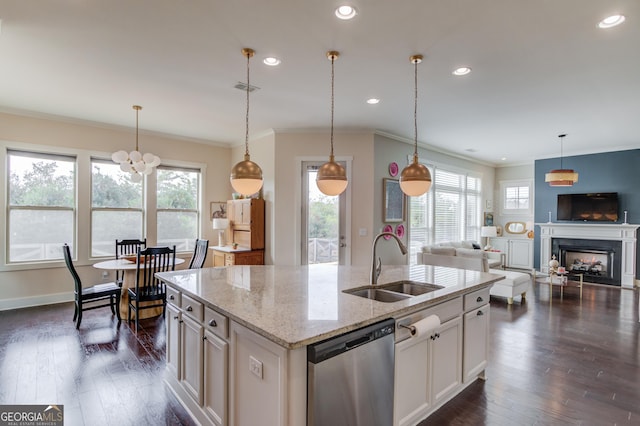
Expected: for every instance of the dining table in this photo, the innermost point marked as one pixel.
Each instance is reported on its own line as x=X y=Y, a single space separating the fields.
x=129 y=281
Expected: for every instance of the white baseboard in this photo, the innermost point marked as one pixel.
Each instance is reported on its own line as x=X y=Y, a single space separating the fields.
x=26 y=302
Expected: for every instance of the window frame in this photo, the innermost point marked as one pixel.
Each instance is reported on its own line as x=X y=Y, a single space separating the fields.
x=34 y=152
x=199 y=203
x=505 y=185
x=143 y=210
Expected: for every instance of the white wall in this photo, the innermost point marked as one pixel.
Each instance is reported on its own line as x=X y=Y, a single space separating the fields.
x=32 y=284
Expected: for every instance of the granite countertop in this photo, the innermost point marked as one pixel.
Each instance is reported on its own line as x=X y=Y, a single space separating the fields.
x=295 y=306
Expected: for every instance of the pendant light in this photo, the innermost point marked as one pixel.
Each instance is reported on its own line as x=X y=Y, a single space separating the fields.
x=134 y=162
x=332 y=177
x=246 y=176
x=415 y=179
x=561 y=176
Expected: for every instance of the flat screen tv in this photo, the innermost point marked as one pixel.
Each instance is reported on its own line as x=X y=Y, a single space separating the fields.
x=593 y=207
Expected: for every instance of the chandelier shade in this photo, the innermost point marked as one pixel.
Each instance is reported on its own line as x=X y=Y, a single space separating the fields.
x=331 y=178
x=561 y=176
x=135 y=162
x=415 y=179
x=246 y=176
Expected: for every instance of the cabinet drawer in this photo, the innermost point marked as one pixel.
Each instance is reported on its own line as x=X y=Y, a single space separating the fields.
x=216 y=323
x=229 y=259
x=173 y=296
x=476 y=299
x=191 y=307
x=445 y=311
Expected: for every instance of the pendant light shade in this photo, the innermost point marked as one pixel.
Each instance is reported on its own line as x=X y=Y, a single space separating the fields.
x=246 y=176
x=415 y=179
x=332 y=177
x=134 y=162
x=561 y=176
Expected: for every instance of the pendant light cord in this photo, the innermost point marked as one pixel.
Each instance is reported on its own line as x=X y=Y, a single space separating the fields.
x=332 y=101
x=246 y=135
x=415 y=107
x=561 y=149
x=137 y=111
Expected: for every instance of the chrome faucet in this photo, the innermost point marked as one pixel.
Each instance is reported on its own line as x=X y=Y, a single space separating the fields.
x=376 y=264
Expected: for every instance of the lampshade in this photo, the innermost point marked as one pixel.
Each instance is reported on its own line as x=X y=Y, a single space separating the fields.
x=220 y=223
x=332 y=177
x=135 y=162
x=246 y=176
x=561 y=177
x=488 y=231
x=415 y=179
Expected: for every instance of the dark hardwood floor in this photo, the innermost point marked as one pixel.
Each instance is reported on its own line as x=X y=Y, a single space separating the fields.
x=568 y=363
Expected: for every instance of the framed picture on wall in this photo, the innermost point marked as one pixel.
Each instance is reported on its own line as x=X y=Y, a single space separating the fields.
x=393 y=201
x=218 y=210
x=488 y=219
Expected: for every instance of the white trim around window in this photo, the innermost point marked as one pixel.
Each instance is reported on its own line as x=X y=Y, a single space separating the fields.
x=516 y=197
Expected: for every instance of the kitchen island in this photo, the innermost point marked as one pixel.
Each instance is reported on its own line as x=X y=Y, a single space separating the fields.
x=237 y=337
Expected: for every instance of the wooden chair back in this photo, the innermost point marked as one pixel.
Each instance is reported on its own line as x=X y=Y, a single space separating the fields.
x=199 y=254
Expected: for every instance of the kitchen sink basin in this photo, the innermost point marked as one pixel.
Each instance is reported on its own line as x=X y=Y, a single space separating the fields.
x=410 y=287
x=375 y=293
x=393 y=292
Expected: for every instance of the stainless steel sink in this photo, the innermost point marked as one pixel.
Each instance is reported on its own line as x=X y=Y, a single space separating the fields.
x=374 y=293
x=393 y=292
x=412 y=288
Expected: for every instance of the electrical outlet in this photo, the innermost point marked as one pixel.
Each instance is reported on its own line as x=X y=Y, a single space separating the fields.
x=255 y=367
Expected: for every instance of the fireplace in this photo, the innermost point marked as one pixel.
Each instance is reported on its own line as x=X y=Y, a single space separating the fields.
x=597 y=260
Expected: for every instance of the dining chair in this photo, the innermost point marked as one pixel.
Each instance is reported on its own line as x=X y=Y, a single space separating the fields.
x=89 y=295
x=124 y=247
x=148 y=288
x=199 y=254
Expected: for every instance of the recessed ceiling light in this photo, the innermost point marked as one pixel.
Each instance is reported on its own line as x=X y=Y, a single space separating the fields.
x=611 y=21
x=461 y=71
x=373 y=101
x=504 y=158
x=346 y=12
x=271 y=61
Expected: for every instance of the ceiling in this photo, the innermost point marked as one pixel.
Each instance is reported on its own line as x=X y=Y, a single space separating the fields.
x=539 y=68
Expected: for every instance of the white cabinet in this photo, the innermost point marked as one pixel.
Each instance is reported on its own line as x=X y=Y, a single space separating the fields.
x=198 y=358
x=173 y=318
x=216 y=361
x=428 y=367
x=191 y=351
x=476 y=343
x=476 y=335
x=518 y=251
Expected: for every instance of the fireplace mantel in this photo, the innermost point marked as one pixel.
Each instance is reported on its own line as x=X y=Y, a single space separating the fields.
x=626 y=233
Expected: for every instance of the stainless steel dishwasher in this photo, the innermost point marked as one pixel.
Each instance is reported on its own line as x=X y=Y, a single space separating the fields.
x=350 y=378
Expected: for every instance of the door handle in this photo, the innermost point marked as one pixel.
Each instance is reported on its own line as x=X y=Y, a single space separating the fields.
x=343 y=245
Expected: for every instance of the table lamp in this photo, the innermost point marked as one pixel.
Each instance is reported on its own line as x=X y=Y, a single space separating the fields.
x=488 y=232
x=221 y=225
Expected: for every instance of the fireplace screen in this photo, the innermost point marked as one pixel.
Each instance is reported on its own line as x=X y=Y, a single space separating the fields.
x=590 y=263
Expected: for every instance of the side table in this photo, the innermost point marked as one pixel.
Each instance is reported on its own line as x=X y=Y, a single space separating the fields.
x=562 y=280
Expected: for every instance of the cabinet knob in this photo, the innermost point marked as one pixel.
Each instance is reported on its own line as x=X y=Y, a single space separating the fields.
x=479 y=299
x=480 y=313
x=176 y=317
x=171 y=297
x=189 y=308
x=213 y=323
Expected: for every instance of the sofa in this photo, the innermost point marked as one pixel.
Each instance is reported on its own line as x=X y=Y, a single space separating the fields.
x=468 y=255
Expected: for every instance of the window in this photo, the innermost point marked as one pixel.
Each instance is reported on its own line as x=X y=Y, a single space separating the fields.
x=449 y=212
x=116 y=207
x=177 y=207
x=516 y=197
x=42 y=205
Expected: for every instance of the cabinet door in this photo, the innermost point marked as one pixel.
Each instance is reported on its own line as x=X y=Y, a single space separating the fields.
x=521 y=254
x=192 y=334
x=476 y=343
x=218 y=258
x=412 y=393
x=446 y=361
x=173 y=340
x=216 y=361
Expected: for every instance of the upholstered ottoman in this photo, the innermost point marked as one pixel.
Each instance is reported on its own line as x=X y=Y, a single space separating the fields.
x=513 y=284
